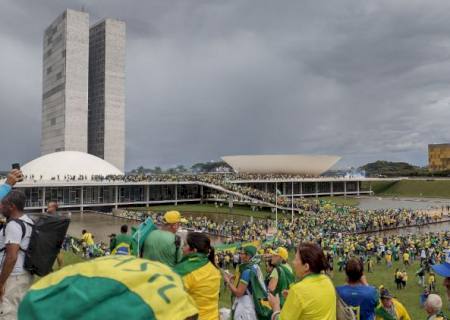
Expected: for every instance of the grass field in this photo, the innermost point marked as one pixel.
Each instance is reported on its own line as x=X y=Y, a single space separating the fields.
x=413 y=188
x=381 y=276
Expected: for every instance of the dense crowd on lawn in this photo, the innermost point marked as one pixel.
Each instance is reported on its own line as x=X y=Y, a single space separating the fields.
x=264 y=286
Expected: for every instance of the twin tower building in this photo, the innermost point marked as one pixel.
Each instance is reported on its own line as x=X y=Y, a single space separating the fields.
x=83 y=100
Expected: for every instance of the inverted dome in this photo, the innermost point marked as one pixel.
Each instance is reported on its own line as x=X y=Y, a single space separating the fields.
x=282 y=164
x=68 y=163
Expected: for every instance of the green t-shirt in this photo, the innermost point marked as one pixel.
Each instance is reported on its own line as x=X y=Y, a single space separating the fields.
x=121 y=238
x=160 y=246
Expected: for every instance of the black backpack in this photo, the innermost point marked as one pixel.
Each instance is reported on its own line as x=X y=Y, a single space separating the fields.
x=47 y=236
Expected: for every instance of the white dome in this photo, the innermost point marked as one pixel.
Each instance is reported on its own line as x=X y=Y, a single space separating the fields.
x=285 y=164
x=72 y=163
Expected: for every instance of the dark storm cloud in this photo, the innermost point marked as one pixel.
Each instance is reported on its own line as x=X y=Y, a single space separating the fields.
x=366 y=80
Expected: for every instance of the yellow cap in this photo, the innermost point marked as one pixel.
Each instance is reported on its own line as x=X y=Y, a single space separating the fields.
x=173 y=217
x=283 y=253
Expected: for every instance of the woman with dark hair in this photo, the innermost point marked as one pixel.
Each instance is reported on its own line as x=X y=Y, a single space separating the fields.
x=314 y=296
x=200 y=275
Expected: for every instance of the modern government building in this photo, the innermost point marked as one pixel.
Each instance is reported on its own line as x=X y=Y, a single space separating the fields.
x=72 y=179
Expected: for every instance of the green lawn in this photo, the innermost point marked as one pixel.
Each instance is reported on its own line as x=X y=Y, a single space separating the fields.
x=70 y=258
x=413 y=188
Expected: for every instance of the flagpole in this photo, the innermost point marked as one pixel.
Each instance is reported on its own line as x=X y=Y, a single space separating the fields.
x=276 y=205
x=292 y=203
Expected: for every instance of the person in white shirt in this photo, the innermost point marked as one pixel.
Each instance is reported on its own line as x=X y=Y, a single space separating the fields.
x=14 y=240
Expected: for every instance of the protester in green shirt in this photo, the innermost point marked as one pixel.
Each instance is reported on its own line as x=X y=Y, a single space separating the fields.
x=163 y=245
x=121 y=244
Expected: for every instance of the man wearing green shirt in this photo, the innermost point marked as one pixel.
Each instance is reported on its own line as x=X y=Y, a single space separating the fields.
x=121 y=244
x=163 y=245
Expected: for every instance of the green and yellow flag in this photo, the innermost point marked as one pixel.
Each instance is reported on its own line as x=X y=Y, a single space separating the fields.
x=113 y=287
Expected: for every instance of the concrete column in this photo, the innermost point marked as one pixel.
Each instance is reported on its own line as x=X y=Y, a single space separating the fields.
x=265 y=187
x=317 y=189
x=81 y=200
x=284 y=188
x=201 y=194
x=370 y=188
x=301 y=189
x=116 y=191
x=357 y=188
x=43 y=200
x=176 y=194
x=331 y=188
x=147 y=195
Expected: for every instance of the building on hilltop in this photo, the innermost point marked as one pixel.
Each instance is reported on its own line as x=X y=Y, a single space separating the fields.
x=83 y=101
x=439 y=156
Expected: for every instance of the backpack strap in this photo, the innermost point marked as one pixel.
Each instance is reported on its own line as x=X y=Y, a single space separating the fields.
x=22 y=225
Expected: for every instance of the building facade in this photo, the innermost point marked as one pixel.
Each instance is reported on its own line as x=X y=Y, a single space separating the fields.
x=83 y=101
x=65 y=83
x=439 y=157
x=109 y=194
x=106 y=129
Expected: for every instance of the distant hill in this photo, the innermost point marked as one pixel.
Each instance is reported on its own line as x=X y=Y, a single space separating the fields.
x=392 y=169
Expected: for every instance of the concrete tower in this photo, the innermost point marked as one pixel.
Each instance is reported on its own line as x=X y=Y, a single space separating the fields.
x=65 y=83
x=106 y=133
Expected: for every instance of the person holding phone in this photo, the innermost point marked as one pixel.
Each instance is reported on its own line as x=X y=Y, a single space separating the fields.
x=14 y=176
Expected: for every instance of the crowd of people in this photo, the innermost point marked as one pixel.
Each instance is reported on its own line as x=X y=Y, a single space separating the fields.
x=174 y=177
x=263 y=284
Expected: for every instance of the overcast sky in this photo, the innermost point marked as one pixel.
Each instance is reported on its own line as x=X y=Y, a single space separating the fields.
x=365 y=80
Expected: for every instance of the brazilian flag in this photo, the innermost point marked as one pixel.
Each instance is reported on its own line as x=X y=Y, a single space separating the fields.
x=113 y=287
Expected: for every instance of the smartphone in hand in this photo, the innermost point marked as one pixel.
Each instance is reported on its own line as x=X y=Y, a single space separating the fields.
x=17 y=166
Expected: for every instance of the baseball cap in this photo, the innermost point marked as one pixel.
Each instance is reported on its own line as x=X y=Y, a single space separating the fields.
x=443 y=269
x=249 y=250
x=283 y=253
x=385 y=294
x=173 y=217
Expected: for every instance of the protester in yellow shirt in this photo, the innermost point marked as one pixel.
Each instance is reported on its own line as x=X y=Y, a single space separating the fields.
x=432 y=282
x=406 y=258
x=388 y=258
x=88 y=243
x=314 y=296
x=87 y=238
x=200 y=276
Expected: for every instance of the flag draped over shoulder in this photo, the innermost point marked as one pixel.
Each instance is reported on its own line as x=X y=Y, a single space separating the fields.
x=190 y=263
x=259 y=293
x=285 y=279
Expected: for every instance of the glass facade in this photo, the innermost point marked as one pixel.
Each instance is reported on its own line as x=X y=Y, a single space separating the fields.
x=97 y=195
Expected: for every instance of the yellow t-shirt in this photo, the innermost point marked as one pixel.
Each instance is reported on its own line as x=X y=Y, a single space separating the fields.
x=431 y=279
x=313 y=298
x=203 y=285
x=87 y=237
x=405 y=256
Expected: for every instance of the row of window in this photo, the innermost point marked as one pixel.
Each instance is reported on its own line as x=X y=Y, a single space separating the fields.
x=51 y=92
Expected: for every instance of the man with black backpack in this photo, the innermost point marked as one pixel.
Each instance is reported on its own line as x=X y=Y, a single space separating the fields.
x=14 y=241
